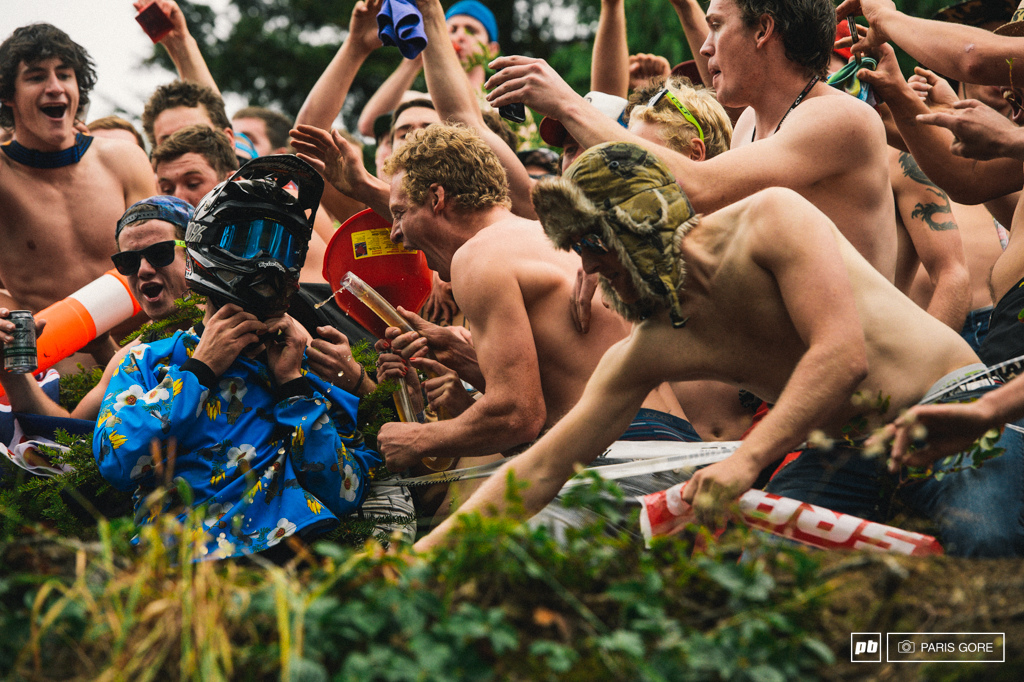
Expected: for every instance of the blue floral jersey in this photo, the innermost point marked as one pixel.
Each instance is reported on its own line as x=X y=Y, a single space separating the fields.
x=267 y=464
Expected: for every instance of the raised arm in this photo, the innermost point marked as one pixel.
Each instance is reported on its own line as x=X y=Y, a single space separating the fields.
x=695 y=26
x=966 y=181
x=389 y=95
x=325 y=100
x=609 y=66
x=182 y=47
x=341 y=164
x=964 y=53
x=793 y=157
x=928 y=218
x=455 y=100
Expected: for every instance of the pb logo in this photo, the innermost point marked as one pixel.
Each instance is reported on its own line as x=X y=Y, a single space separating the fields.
x=866 y=647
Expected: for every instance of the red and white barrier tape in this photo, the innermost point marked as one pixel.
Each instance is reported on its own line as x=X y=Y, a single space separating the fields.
x=665 y=512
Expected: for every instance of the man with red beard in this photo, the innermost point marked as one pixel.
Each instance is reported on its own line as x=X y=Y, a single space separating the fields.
x=61 y=190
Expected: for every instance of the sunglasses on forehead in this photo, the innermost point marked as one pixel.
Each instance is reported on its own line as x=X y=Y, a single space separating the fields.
x=158 y=255
x=667 y=94
x=592 y=242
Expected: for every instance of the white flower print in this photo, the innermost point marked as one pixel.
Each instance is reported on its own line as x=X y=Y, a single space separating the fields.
x=240 y=457
x=137 y=351
x=232 y=387
x=202 y=402
x=215 y=512
x=350 y=484
x=155 y=395
x=129 y=397
x=321 y=422
x=142 y=467
x=283 y=529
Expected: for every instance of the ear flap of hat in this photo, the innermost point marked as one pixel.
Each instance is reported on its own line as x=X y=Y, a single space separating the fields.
x=564 y=211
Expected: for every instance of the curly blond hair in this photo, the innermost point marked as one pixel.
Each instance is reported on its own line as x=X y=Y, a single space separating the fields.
x=677 y=131
x=456 y=158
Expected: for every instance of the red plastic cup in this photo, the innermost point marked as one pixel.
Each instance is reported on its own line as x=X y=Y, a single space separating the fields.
x=154 y=22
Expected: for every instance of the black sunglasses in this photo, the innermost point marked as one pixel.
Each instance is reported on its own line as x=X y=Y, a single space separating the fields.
x=158 y=255
x=592 y=242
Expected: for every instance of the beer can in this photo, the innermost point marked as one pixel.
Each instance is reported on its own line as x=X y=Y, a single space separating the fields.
x=20 y=354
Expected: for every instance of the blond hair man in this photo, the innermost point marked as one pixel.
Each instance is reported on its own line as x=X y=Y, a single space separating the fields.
x=449 y=197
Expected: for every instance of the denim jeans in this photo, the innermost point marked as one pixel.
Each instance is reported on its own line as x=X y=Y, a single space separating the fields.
x=976 y=327
x=979 y=512
x=841 y=479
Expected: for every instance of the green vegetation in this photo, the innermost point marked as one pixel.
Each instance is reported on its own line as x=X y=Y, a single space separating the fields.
x=506 y=603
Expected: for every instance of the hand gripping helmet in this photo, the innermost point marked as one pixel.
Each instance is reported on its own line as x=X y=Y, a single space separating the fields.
x=247 y=239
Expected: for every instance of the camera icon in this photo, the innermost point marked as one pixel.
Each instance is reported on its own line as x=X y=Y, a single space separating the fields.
x=905 y=647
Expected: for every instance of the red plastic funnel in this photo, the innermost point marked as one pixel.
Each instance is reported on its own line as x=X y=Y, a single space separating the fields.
x=363 y=245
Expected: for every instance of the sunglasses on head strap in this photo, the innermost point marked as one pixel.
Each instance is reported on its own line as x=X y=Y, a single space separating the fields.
x=667 y=94
x=158 y=255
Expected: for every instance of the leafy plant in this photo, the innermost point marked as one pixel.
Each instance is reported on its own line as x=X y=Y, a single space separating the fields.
x=505 y=602
x=188 y=311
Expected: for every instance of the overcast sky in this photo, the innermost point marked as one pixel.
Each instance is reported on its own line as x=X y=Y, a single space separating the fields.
x=108 y=30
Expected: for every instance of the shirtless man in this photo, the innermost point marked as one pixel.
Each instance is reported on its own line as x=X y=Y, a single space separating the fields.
x=60 y=191
x=152 y=256
x=739 y=300
x=449 y=197
x=797 y=132
x=974 y=163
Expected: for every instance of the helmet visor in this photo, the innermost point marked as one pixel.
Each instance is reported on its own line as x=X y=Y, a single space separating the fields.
x=263 y=238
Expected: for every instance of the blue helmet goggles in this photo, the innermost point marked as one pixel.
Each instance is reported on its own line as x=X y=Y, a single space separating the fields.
x=263 y=238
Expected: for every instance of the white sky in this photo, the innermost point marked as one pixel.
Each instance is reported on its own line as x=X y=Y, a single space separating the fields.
x=117 y=44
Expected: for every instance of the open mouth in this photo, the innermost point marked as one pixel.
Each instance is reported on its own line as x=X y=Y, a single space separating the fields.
x=151 y=290
x=55 y=111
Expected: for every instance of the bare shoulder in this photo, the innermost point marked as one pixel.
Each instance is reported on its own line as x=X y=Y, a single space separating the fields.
x=120 y=156
x=511 y=231
x=500 y=241
x=129 y=164
x=765 y=220
x=766 y=206
x=836 y=113
x=743 y=129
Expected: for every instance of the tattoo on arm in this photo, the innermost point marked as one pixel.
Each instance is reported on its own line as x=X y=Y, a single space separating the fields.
x=930 y=213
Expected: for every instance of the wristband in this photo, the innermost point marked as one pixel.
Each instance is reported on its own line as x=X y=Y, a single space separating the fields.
x=362 y=378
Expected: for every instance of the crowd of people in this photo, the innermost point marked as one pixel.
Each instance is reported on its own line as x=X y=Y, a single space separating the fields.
x=783 y=243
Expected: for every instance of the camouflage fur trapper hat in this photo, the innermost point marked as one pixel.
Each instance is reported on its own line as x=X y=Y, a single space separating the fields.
x=627 y=197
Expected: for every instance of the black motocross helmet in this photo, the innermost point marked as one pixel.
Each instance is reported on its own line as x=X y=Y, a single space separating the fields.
x=247 y=239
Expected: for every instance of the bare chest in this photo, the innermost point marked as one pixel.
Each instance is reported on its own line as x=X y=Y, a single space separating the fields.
x=57 y=222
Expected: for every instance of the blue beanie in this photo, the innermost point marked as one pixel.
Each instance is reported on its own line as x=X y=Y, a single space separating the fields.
x=161 y=207
x=477 y=10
